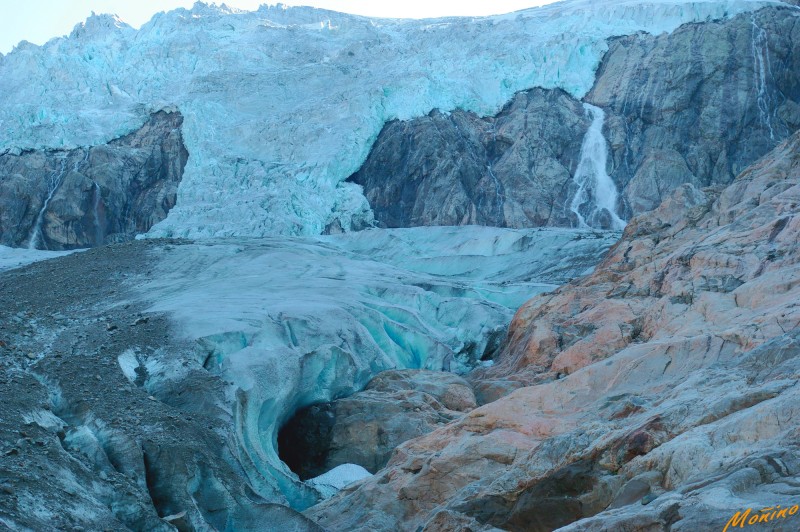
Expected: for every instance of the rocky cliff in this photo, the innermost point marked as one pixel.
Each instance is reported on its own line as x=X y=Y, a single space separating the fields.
x=514 y=169
x=660 y=392
x=698 y=105
x=66 y=199
x=693 y=106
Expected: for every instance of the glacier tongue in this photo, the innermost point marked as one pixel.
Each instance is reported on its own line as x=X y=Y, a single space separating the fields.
x=292 y=321
x=282 y=104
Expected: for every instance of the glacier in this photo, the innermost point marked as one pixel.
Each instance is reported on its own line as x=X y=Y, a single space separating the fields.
x=282 y=104
x=286 y=322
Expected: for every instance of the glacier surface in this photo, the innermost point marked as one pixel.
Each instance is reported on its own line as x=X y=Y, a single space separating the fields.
x=291 y=321
x=282 y=104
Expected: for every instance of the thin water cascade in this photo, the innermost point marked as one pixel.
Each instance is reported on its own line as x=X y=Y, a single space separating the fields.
x=98 y=227
x=55 y=181
x=762 y=69
x=498 y=188
x=596 y=198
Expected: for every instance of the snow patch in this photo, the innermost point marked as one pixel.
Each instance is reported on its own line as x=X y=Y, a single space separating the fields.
x=330 y=483
x=11 y=258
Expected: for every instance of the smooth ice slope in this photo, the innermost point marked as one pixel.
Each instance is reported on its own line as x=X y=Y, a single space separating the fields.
x=282 y=104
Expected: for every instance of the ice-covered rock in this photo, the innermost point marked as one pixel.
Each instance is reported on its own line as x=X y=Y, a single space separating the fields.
x=282 y=104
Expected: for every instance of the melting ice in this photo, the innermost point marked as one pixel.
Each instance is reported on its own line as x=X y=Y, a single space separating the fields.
x=296 y=321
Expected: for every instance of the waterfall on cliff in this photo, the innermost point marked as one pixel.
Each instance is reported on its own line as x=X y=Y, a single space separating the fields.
x=762 y=68
x=98 y=227
x=55 y=181
x=595 y=202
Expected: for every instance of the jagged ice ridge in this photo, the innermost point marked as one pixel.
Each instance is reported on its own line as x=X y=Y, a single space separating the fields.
x=282 y=104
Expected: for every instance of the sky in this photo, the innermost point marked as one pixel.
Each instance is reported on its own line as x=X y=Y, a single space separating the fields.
x=38 y=21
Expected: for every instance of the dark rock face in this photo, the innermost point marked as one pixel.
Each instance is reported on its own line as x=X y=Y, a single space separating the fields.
x=66 y=199
x=694 y=106
x=699 y=105
x=459 y=169
x=365 y=428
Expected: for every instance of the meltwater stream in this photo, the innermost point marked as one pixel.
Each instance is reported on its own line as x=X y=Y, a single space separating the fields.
x=595 y=202
x=55 y=182
x=97 y=202
x=762 y=69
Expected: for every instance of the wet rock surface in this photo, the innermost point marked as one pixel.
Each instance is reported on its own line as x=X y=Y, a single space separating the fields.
x=696 y=106
x=88 y=196
x=658 y=393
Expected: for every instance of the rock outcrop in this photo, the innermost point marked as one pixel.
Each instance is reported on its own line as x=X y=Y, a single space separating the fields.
x=511 y=170
x=84 y=197
x=696 y=106
x=365 y=428
x=660 y=392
